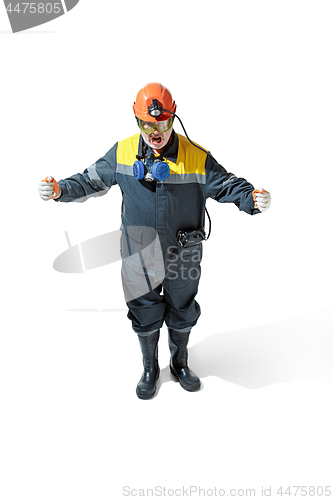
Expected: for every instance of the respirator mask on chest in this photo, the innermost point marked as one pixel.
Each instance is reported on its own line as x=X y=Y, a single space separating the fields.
x=151 y=170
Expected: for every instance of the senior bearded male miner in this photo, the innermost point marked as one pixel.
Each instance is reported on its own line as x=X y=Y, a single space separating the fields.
x=165 y=180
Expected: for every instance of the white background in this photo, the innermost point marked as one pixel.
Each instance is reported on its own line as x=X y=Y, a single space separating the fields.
x=253 y=83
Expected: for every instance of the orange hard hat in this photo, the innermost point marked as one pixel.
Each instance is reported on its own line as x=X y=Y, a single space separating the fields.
x=145 y=97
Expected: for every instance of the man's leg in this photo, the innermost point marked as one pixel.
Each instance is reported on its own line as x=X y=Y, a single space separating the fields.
x=183 y=311
x=146 y=387
x=178 y=341
x=146 y=305
x=146 y=311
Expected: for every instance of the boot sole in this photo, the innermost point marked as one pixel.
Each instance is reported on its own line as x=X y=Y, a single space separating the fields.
x=189 y=389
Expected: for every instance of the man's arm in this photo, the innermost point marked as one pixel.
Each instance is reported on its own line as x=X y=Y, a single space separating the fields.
x=96 y=180
x=225 y=187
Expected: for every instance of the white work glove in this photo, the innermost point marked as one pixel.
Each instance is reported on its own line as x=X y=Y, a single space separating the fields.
x=262 y=199
x=49 y=188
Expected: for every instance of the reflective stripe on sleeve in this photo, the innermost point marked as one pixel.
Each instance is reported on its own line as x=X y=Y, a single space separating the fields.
x=94 y=177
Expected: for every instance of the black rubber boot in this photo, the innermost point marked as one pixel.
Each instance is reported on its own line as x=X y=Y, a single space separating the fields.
x=178 y=363
x=146 y=387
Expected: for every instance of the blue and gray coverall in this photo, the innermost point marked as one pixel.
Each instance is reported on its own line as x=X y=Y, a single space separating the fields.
x=163 y=208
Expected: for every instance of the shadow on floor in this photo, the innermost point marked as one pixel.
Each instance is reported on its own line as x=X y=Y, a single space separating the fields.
x=299 y=348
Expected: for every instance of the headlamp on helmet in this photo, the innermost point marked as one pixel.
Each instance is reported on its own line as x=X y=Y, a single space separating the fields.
x=154 y=103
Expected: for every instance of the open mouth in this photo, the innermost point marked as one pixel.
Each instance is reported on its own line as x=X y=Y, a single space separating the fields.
x=156 y=140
